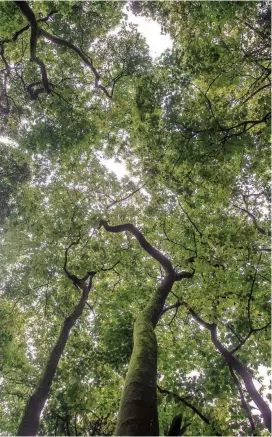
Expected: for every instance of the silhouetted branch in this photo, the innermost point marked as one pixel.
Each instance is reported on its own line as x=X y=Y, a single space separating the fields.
x=37 y=32
x=253 y=218
x=236 y=365
x=125 y=198
x=247 y=337
x=243 y=400
x=185 y=402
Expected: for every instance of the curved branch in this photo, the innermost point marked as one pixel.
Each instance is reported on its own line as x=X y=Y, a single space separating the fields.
x=253 y=218
x=35 y=33
x=175 y=305
x=126 y=197
x=236 y=365
x=31 y=417
x=247 y=337
x=185 y=402
x=152 y=251
x=87 y=61
x=251 y=292
x=19 y=32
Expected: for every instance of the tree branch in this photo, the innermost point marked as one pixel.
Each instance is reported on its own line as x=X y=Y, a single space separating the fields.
x=36 y=32
x=243 y=400
x=242 y=370
x=253 y=218
x=170 y=307
x=248 y=335
x=185 y=402
x=188 y=217
x=125 y=198
x=152 y=251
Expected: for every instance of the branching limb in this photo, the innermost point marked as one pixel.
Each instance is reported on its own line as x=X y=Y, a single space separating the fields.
x=126 y=197
x=188 y=217
x=247 y=125
x=253 y=218
x=37 y=32
x=25 y=28
x=152 y=251
x=248 y=336
x=243 y=400
x=172 y=241
x=68 y=274
x=251 y=292
x=185 y=402
x=170 y=307
x=238 y=367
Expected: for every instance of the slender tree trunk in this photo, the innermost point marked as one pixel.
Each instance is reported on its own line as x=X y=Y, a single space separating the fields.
x=246 y=375
x=138 y=413
x=242 y=370
x=31 y=418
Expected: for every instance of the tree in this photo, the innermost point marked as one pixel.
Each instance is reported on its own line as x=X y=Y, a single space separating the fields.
x=178 y=317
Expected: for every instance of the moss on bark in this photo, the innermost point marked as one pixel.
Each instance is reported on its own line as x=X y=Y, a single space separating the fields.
x=138 y=413
x=138 y=409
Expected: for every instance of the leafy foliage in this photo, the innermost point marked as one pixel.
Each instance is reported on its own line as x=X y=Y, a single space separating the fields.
x=193 y=128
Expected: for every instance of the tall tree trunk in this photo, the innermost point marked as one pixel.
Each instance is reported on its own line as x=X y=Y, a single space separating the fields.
x=138 y=413
x=31 y=418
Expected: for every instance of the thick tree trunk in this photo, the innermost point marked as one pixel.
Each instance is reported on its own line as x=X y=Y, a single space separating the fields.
x=138 y=413
x=31 y=418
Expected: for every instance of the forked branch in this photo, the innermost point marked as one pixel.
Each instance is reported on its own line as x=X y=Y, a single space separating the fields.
x=37 y=32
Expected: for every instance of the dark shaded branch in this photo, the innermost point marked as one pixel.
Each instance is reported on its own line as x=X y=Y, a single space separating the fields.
x=198 y=319
x=243 y=400
x=172 y=241
x=25 y=28
x=87 y=61
x=185 y=402
x=242 y=370
x=126 y=197
x=108 y=268
x=247 y=125
x=267 y=85
x=251 y=292
x=74 y=243
x=249 y=335
x=152 y=251
x=35 y=33
x=16 y=35
x=170 y=307
x=209 y=105
x=230 y=327
x=253 y=218
x=189 y=218
x=27 y=12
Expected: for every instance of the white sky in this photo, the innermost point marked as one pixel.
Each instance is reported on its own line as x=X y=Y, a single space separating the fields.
x=151 y=30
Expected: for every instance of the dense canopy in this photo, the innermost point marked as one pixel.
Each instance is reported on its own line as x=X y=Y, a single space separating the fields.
x=134 y=305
